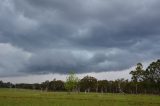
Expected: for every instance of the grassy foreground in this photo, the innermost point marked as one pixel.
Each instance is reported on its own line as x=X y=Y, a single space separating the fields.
x=12 y=97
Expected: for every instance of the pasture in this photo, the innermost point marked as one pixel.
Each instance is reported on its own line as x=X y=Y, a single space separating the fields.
x=20 y=97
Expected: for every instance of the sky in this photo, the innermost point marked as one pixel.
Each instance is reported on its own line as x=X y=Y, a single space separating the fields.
x=45 y=39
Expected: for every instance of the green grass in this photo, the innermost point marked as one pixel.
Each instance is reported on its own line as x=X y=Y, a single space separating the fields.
x=19 y=97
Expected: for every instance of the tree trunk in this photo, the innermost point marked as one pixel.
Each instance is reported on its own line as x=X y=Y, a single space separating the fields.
x=136 y=88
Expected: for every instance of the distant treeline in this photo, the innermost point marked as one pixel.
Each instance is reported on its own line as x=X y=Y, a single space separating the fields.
x=144 y=81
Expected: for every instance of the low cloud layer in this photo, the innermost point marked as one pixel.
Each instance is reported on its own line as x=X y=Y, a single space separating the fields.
x=58 y=36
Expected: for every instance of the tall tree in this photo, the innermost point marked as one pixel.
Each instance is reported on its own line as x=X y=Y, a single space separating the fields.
x=152 y=77
x=153 y=72
x=137 y=75
x=89 y=83
x=71 y=82
x=45 y=85
x=56 y=85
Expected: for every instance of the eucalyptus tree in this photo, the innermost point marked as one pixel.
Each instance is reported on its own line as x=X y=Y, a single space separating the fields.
x=152 y=77
x=71 y=82
x=89 y=83
x=137 y=75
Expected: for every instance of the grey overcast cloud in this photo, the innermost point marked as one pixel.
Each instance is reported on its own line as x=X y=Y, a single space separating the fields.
x=40 y=37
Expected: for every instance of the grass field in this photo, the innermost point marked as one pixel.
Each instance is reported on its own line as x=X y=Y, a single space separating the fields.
x=12 y=97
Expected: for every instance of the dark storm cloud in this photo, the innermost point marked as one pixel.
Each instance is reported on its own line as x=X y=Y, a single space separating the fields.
x=64 y=61
x=84 y=36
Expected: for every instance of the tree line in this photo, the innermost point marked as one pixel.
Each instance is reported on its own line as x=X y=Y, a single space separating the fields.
x=143 y=81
